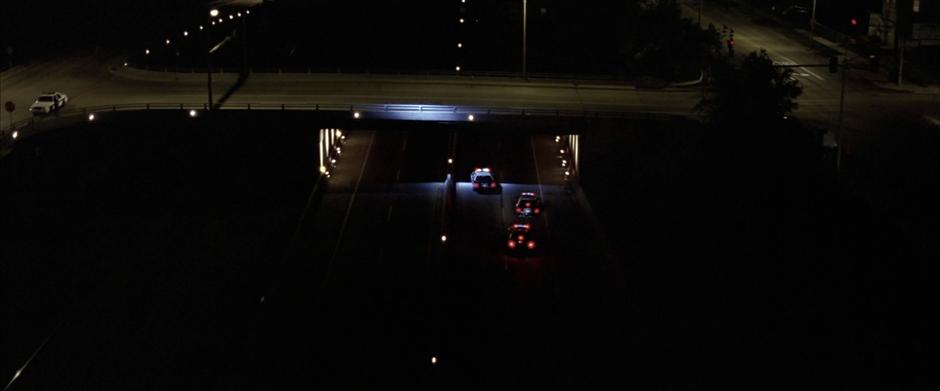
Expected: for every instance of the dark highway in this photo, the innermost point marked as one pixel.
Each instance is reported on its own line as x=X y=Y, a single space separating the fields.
x=536 y=194
x=372 y=294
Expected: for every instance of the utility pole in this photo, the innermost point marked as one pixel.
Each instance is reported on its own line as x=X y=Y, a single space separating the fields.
x=845 y=70
x=209 y=70
x=212 y=14
x=812 y=19
x=525 y=8
x=700 y=2
x=245 y=68
x=901 y=62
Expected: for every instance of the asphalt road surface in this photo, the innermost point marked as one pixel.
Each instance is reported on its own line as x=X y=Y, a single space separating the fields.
x=374 y=297
x=367 y=293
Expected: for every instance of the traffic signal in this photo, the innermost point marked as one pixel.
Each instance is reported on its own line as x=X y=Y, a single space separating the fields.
x=853 y=22
x=833 y=64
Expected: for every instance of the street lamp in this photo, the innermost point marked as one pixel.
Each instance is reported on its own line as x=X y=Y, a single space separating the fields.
x=212 y=14
x=812 y=18
x=525 y=8
x=700 y=5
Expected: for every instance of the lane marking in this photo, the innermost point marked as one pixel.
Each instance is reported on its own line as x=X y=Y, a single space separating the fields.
x=791 y=62
x=538 y=179
x=352 y=199
x=19 y=371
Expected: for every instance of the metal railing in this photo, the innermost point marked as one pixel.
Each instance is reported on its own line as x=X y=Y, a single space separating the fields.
x=74 y=114
x=373 y=108
x=387 y=71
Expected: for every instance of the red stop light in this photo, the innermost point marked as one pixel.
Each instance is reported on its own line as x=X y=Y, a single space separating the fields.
x=853 y=22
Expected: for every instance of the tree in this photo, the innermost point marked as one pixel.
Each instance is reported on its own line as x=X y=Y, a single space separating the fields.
x=664 y=45
x=754 y=94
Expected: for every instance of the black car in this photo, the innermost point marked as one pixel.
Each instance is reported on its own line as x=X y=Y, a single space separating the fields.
x=527 y=204
x=521 y=241
x=482 y=180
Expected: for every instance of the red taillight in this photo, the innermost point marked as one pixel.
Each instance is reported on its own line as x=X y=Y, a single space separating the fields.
x=528 y=204
x=537 y=210
x=511 y=244
x=492 y=185
x=476 y=185
x=518 y=210
x=531 y=244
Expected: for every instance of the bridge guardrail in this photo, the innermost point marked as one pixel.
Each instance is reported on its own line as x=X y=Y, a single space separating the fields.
x=77 y=113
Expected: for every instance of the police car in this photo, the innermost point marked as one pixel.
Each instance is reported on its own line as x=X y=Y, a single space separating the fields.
x=528 y=204
x=520 y=239
x=483 y=180
x=48 y=102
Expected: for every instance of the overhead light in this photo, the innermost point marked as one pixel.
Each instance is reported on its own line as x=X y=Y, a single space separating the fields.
x=91 y=117
x=470 y=117
x=192 y=113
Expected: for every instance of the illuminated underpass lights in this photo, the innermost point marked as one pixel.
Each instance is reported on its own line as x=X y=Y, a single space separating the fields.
x=356 y=115
x=192 y=113
x=91 y=117
x=470 y=117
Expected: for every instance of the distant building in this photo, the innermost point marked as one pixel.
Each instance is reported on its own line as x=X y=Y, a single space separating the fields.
x=910 y=19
